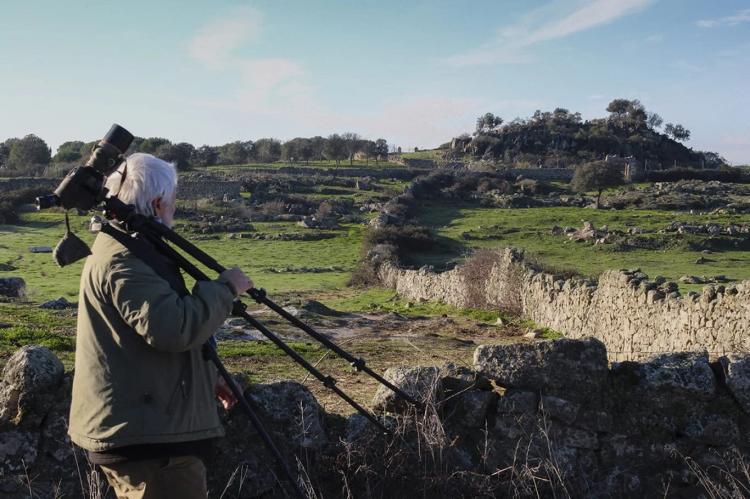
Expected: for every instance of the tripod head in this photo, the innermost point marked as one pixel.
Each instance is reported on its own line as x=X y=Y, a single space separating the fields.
x=83 y=187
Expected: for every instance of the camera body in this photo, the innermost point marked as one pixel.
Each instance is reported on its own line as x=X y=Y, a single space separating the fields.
x=83 y=187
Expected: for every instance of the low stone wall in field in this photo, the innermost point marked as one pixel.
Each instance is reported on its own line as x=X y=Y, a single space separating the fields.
x=12 y=184
x=544 y=174
x=635 y=317
x=535 y=419
x=211 y=189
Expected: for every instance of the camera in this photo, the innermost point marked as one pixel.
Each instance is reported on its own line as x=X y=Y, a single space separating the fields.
x=83 y=187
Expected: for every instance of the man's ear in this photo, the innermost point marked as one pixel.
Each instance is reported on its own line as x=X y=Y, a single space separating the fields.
x=156 y=203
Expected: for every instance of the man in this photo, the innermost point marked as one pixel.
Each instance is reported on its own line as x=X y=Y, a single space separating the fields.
x=143 y=396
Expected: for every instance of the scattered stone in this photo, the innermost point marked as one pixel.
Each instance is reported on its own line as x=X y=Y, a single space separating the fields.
x=533 y=334
x=316 y=307
x=59 y=304
x=40 y=249
x=12 y=287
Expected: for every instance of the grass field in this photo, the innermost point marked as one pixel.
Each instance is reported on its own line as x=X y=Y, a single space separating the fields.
x=530 y=229
x=259 y=258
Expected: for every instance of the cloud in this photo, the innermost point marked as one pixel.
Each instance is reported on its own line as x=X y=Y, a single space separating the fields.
x=741 y=16
x=214 y=43
x=546 y=24
x=265 y=84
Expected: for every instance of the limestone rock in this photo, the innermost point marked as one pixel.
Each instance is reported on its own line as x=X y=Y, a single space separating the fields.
x=17 y=448
x=472 y=408
x=30 y=379
x=683 y=374
x=560 y=409
x=737 y=369
x=456 y=378
x=576 y=368
x=292 y=406
x=12 y=287
x=422 y=383
x=316 y=307
x=518 y=402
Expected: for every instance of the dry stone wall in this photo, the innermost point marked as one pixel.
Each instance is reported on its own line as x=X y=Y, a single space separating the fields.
x=534 y=419
x=634 y=317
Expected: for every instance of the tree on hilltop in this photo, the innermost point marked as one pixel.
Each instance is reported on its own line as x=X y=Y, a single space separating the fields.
x=596 y=176
x=335 y=148
x=353 y=144
x=268 y=150
x=677 y=132
x=487 y=123
x=381 y=150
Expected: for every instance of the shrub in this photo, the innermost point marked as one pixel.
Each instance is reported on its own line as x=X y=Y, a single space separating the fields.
x=406 y=238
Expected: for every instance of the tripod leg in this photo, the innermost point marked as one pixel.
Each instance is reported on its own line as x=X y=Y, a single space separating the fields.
x=213 y=356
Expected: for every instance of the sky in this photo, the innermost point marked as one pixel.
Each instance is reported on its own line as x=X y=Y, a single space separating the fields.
x=414 y=72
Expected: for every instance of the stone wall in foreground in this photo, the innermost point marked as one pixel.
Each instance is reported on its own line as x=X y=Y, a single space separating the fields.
x=534 y=419
x=635 y=317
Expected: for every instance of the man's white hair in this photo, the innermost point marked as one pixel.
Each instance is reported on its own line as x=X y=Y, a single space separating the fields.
x=146 y=178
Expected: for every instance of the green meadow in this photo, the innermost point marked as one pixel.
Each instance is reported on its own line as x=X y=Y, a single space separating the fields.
x=462 y=227
x=272 y=264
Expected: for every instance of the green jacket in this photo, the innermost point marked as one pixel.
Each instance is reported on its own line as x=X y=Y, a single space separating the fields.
x=140 y=377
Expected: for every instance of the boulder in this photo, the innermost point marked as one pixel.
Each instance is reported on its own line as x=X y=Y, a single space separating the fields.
x=737 y=372
x=472 y=408
x=575 y=369
x=291 y=406
x=318 y=308
x=421 y=383
x=668 y=379
x=28 y=387
x=12 y=287
x=518 y=402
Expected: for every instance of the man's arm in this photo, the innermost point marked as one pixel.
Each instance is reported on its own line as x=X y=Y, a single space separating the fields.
x=155 y=311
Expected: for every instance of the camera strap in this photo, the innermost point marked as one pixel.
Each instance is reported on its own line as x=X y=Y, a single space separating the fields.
x=146 y=252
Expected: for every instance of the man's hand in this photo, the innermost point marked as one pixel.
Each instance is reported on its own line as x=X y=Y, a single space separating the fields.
x=224 y=394
x=237 y=280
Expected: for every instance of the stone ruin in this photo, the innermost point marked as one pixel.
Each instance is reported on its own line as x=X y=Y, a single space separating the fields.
x=537 y=419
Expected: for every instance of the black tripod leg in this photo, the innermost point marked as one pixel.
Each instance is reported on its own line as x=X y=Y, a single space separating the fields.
x=359 y=364
x=210 y=352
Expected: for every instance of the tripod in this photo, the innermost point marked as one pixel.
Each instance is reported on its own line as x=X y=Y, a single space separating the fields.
x=160 y=236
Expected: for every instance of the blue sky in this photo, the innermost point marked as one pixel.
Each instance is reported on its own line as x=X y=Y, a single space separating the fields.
x=416 y=73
